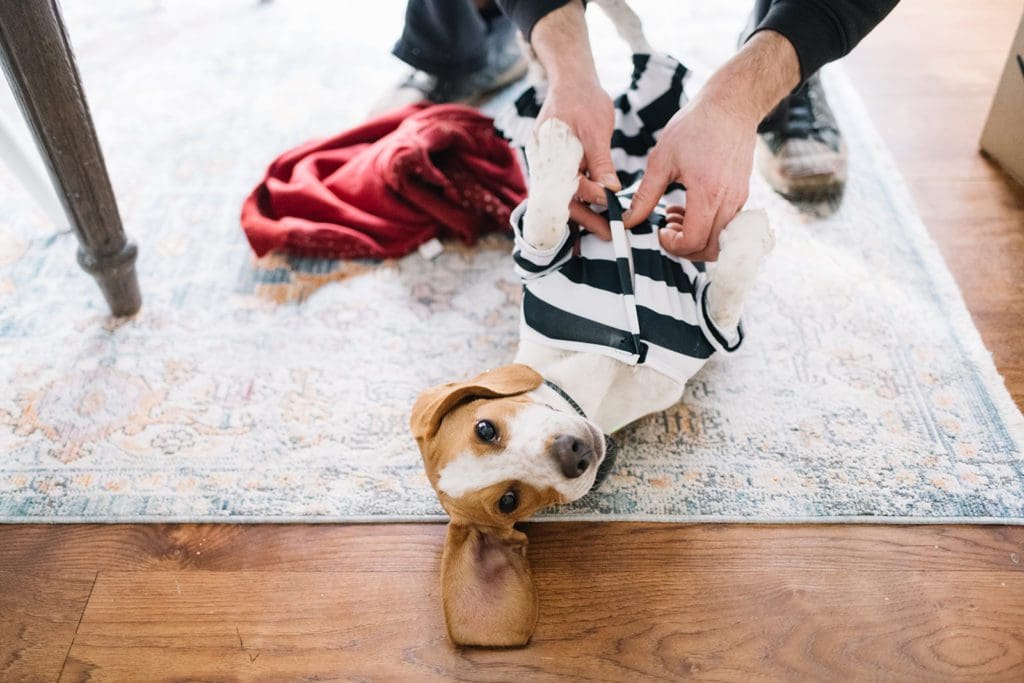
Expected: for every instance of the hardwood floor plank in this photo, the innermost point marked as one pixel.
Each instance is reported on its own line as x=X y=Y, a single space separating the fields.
x=416 y=547
x=998 y=201
x=935 y=47
x=597 y=623
x=39 y=613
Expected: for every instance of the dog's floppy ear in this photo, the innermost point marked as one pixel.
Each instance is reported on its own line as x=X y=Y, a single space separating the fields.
x=433 y=404
x=487 y=586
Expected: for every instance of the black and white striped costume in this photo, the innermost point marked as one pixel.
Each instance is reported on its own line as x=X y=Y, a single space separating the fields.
x=628 y=298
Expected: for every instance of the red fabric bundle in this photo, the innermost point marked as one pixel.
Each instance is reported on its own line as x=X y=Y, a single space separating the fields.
x=383 y=188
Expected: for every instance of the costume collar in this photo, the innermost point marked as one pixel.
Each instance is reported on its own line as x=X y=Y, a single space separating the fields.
x=565 y=397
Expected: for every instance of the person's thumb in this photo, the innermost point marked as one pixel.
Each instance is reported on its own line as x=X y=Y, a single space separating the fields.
x=646 y=197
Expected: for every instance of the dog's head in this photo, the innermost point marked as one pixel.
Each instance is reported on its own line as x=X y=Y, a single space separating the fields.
x=496 y=451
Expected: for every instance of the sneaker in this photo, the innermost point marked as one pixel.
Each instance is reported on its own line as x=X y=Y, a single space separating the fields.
x=506 y=64
x=800 y=151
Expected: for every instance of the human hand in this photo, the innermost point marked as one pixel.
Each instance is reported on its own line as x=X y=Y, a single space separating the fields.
x=710 y=150
x=708 y=146
x=588 y=112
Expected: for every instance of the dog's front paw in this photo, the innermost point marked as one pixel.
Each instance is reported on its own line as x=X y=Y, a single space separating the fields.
x=553 y=154
x=745 y=242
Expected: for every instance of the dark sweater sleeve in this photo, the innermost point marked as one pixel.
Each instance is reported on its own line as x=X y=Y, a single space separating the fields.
x=525 y=13
x=822 y=31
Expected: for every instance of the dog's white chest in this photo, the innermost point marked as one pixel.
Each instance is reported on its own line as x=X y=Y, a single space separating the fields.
x=612 y=394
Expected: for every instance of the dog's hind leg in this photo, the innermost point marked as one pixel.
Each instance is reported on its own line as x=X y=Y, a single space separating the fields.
x=745 y=242
x=627 y=23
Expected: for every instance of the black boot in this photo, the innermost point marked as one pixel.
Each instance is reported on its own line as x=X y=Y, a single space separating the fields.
x=800 y=151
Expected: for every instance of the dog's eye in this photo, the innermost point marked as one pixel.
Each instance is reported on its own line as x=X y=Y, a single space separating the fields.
x=486 y=430
x=508 y=502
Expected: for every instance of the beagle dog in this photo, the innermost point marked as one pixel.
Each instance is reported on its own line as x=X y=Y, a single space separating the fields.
x=610 y=332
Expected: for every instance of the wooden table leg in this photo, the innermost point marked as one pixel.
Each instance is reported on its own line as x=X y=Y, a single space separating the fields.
x=40 y=66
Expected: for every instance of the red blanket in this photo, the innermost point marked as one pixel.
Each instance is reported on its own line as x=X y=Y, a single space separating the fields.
x=384 y=188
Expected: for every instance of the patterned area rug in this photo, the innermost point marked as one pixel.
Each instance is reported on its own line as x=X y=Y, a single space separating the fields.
x=279 y=389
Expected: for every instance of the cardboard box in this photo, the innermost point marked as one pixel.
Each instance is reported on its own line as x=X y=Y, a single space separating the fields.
x=1003 y=136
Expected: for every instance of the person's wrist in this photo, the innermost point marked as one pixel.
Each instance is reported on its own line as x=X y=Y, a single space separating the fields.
x=574 y=78
x=724 y=97
x=563 y=47
x=753 y=82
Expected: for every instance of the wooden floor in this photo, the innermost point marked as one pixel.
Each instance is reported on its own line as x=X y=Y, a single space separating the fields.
x=619 y=601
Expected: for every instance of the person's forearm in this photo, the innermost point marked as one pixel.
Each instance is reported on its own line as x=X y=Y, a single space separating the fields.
x=757 y=77
x=562 y=45
x=823 y=30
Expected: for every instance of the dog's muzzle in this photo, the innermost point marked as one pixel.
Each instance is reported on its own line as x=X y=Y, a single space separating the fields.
x=575 y=456
x=605 y=461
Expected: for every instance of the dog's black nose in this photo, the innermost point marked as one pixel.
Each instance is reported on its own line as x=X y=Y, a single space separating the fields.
x=573 y=456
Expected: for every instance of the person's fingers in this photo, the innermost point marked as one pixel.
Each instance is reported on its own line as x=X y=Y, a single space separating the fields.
x=675 y=208
x=591 y=192
x=598 y=159
x=593 y=222
x=675 y=217
x=671 y=238
x=741 y=198
x=710 y=252
x=652 y=187
x=697 y=224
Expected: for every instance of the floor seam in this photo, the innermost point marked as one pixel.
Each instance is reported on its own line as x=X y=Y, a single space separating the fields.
x=81 y=616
